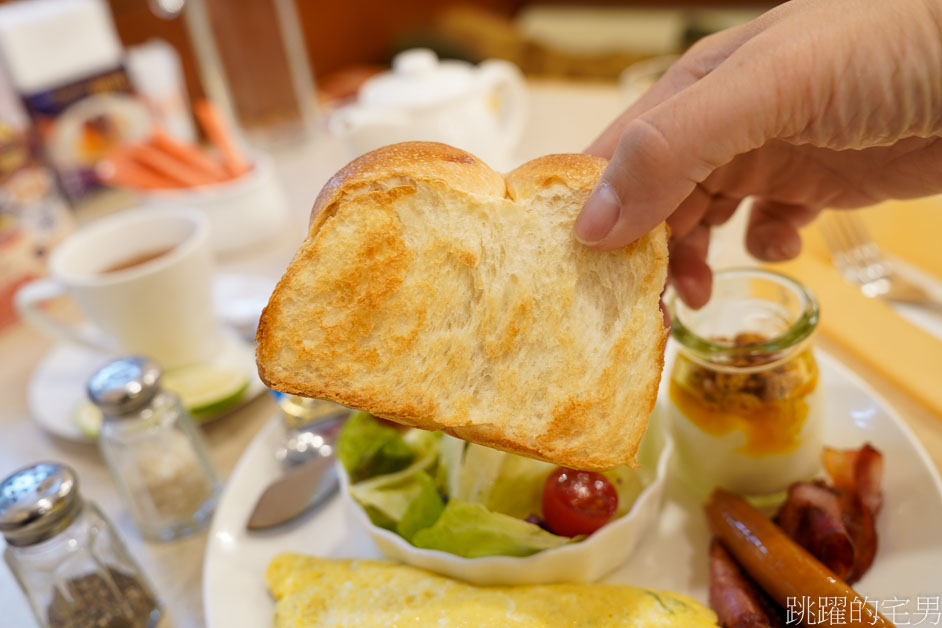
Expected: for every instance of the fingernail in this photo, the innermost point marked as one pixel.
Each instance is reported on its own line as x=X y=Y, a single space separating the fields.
x=783 y=249
x=598 y=216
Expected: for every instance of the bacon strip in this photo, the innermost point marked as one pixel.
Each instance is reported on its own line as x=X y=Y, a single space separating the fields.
x=737 y=602
x=859 y=471
x=861 y=526
x=812 y=517
x=837 y=524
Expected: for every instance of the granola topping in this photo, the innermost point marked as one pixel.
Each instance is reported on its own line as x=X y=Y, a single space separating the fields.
x=767 y=404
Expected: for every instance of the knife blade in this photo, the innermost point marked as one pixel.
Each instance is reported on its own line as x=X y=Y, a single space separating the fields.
x=298 y=490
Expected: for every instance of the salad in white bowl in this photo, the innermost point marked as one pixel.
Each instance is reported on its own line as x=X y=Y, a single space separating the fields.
x=487 y=516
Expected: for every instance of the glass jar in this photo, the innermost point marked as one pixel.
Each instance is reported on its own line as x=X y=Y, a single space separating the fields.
x=745 y=400
x=253 y=62
x=156 y=454
x=309 y=425
x=66 y=557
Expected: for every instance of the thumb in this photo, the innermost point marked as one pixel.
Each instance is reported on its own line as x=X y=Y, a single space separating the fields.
x=665 y=152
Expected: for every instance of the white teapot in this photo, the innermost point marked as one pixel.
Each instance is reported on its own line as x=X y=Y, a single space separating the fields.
x=481 y=109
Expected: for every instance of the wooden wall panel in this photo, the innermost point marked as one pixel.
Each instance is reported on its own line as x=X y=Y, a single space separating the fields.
x=136 y=24
x=344 y=32
x=339 y=33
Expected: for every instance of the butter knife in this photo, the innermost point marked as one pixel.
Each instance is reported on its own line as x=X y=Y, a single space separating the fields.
x=301 y=488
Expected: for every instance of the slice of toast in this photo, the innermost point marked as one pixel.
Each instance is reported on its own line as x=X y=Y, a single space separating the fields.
x=435 y=292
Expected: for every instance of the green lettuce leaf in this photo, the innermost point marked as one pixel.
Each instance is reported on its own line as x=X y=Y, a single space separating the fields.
x=479 y=469
x=422 y=442
x=380 y=519
x=471 y=530
x=448 y=472
x=628 y=484
x=501 y=481
x=388 y=497
x=391 y=499
x=518 y=489
x=424 y=509
x=367 y=448
x=405 y=506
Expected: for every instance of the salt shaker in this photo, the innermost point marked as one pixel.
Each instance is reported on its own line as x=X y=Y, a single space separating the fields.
x=308 y=424
x=155 y=452
x=66 y=557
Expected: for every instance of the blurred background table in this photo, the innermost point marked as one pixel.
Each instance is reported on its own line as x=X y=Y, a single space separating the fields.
x=563 y=117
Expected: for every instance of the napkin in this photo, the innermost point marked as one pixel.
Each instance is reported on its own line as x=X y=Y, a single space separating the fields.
x=871 y=329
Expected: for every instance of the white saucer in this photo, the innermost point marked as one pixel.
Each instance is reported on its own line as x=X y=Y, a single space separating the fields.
x=58 y=383
x=240 y=298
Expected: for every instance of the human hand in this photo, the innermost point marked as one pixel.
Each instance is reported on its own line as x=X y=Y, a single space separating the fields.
x=817 y=103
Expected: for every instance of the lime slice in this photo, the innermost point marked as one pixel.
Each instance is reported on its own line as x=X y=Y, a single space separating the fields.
x=204 y=389
x=87 y=418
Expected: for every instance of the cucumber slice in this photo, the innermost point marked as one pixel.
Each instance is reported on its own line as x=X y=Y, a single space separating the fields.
x=87 y=418
x=206 y=390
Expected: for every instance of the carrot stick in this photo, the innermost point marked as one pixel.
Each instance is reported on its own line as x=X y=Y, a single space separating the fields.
x=221 y=137
x=789 y=574
x=189 y=154
x=166 y=165
x=120 y=169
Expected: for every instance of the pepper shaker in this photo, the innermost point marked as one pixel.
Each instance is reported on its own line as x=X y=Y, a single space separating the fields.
x=156 y=454
x=66 y=557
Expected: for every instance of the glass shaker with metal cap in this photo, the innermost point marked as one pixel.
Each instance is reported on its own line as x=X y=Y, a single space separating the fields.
x=66 y=556
x=156 y=454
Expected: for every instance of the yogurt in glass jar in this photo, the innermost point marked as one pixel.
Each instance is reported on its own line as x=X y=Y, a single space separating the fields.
x=745 y=401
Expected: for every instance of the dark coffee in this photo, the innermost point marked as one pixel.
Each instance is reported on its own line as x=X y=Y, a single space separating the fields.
x=137 y=260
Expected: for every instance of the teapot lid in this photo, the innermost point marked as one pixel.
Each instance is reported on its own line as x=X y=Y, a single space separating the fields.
x=418 y=79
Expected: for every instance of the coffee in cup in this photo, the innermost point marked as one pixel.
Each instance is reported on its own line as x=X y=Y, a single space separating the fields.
x=143 y=279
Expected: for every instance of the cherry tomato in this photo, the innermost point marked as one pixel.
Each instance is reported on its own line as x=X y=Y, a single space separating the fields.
x=577 y=502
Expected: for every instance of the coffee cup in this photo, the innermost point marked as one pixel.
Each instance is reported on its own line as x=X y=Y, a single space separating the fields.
x=143 y=280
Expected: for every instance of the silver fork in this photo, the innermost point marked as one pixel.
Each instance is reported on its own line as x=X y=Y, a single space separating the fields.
x=862 y=262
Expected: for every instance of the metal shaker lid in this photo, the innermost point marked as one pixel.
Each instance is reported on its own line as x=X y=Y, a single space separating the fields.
x=124 y=385
x=38 y=502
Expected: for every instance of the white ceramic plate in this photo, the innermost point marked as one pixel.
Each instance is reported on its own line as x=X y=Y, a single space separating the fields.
x=58 y=383
x=673 y=556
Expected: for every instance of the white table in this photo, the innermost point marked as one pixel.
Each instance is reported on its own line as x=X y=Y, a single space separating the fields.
x=564 y=117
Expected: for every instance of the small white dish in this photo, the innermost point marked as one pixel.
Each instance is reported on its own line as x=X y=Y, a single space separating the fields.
x=242 y=213
x=585 y=561
x=673 y=554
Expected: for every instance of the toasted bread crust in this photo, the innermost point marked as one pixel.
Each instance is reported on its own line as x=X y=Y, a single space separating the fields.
x=365 y=314
x=419 y=161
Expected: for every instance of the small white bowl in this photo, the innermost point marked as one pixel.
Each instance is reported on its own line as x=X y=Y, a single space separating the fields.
x=242 y=213
x=585 y=561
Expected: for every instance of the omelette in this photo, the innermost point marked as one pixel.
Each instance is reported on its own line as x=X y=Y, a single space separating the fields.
x=365 y=593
